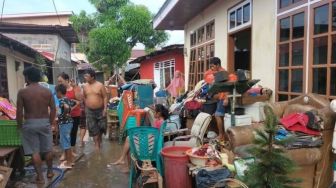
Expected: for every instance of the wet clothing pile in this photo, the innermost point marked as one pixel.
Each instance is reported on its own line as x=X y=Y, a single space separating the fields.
x=298 y=139
x=303 y=130
x=205 y=179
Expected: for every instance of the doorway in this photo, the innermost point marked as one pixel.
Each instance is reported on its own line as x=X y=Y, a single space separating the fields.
x=239 y=50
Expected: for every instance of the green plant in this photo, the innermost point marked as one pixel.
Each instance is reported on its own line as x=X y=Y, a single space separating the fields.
x=272 y=166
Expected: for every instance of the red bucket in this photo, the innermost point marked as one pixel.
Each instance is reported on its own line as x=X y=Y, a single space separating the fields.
x=175 y=167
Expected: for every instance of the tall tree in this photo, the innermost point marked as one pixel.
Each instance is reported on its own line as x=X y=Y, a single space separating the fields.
x=83 y=24
x=119 y=26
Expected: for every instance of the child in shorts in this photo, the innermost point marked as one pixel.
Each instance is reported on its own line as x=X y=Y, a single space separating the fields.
x=65 y=124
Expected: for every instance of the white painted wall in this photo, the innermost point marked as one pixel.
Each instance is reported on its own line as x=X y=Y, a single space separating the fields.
x=264 y=42
x=15 y=78
x=263 y=36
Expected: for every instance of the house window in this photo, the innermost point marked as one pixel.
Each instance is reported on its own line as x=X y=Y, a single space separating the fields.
x=164 y=73
x=200 y=35
x=210 y=30
x=3 y=77
x=193 y=39
x=240 y=16
x=200 y=55
x=323 y=49
x=291 y=56
x=200 y=63
x=287 y=3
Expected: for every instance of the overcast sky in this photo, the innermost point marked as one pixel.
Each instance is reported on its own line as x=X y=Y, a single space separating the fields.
x=29 y=6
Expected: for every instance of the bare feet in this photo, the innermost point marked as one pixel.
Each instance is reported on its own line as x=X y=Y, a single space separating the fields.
x=39 y=181
x=119 y=162
x=50 y=174
x=65 y=165
x=74 y=155
x=62 y=157
x=124 y=169
x=220 y=138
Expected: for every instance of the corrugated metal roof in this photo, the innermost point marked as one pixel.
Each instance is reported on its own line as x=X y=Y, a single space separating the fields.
x=158 y=52
x=66 y=32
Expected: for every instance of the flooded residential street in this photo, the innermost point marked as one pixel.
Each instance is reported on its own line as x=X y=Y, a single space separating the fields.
x=92 y=169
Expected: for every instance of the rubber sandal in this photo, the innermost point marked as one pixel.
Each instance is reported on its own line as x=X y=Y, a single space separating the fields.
x=63 y=166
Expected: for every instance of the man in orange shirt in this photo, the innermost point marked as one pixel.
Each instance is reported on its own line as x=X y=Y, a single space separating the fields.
x=215 y=66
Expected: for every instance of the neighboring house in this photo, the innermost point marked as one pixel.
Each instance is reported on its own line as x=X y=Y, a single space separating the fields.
x=160 y=65
x=83 y=67
x=288 y=44
x=39 y=18
x=14 y=57
x=49 y=33
x=132 y=70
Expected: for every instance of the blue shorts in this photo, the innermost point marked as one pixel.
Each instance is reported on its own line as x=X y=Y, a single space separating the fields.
x=65 y=140
x=220 y=110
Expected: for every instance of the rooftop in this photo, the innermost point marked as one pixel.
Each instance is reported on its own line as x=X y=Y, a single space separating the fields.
x=20 y=47
x=158 y=52
x=38 y=14
x=174 y=14
x=66 y=32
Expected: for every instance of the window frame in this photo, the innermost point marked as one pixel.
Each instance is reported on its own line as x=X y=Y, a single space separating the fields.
x=290 y=67
x=3 y=64
x=198 y=67
x=329 y=36
x=291 y=6
x=162 y=65
x=234 y=9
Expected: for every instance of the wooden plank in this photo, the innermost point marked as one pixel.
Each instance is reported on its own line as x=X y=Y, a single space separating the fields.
x=4 y=152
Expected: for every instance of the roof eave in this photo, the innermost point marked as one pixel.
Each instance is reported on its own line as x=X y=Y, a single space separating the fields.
x=163 y=12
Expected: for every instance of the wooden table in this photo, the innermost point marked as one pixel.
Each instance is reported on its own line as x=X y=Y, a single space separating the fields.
x=7 y=155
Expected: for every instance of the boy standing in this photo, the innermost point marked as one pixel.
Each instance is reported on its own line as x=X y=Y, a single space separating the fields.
x=65 y=124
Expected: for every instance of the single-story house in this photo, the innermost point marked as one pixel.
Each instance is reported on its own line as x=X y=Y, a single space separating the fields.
x=160 y=65
x=53 y=40
x=288 y=44
x=14 y=57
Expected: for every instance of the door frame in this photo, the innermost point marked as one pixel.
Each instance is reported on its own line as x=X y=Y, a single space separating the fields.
x=230 y=49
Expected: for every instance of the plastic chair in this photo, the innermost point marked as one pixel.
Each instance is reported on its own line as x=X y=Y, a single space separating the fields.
x=144 y=147
x=198 y=130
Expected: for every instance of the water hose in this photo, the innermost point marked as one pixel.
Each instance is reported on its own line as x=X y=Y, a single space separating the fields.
x=56 y=181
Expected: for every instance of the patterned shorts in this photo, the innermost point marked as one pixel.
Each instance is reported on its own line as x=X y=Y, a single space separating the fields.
x=96 y=122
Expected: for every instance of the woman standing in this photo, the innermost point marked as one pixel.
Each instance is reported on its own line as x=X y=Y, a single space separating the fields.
x=73 y=93
x=176 y=86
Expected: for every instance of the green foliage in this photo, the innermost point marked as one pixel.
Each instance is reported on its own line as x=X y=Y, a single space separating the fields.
x=41 y=63
x=103 y=41
x=83 y=24
x=272 y=166
x=118 y=25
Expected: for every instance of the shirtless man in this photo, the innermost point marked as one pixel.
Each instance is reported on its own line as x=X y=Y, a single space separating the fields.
x=95 y=103
x=35 y=104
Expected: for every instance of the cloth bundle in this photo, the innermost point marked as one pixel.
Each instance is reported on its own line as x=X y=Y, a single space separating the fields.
x=205 y=179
